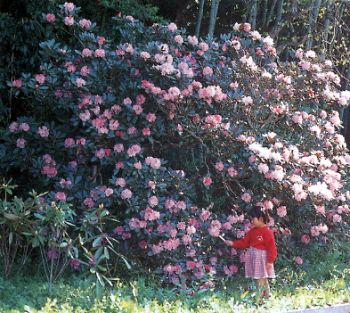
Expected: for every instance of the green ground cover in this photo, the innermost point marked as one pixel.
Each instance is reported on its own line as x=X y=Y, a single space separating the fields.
x=325 y=282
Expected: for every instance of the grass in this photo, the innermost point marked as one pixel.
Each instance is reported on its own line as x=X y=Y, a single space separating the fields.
x=325 y=282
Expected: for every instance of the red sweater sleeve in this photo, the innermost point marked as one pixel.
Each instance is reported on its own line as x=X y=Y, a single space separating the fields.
x=270 y=246
x=242 y=243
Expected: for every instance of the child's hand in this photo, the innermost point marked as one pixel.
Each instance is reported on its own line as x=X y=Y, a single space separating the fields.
x=228 y=243
x=269 y=266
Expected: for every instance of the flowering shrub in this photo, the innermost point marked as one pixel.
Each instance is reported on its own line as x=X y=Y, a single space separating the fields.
x=177 y=138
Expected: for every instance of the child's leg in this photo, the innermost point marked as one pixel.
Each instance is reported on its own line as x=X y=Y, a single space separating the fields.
x=263 y=287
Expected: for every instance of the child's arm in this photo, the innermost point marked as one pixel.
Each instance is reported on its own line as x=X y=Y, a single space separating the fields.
x=271 y=247
x=240 y=243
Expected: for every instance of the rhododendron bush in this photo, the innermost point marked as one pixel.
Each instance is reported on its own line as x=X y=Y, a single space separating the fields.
x=177 y=138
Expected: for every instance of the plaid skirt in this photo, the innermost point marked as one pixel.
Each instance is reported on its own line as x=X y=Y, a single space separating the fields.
x=255 y=264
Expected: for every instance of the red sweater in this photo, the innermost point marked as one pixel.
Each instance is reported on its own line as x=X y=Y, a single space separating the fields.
x=259 y=238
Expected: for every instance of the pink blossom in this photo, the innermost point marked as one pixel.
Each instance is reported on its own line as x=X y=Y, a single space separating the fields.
x=146 y=131
x=255 y=35
x=153 y=201
x=69 y=7
x=219 y=166
x=172 y=27
x=108 y=192
x=297 y=118
x=70 y=67
x=137 y=109
x=13 y=127
x=138 y=165
x=337 y=218
x=207 y=181
x=171 y=244
x=298 y=260
x=113 y=125
x=246 y=197
x=17 y=83
x=151 y=215
x=120 y=182
x=40 y=78
x=214 y=228
x=247 y=100
x=190 y=230
x=178 y=39
x=43 y=132
x=281 y=211
x=127 y=101
x=86 y=53
x=203 y=46
x=151 y=117
x=100 y=53
x=152 y=184
x=213 y=120
x=134 y=150
x=24 y=126
x=126 y=194
x=80 y=82
x=101 y=40
x=118 y=230
x=49 y=171
x=20 y=143
x=153 y=162
x=60 y=196
x=157 y=248
x=50 y=18
x=74 y=263
x=205 y=215
x=263 y=168
x=85 y=116
x=89 y=202
x=208 y=71
x=305 y=239
x=192 y=40
x=135 y=223
x=145 y=55
x=100 y=153
x=85 y=71
x=69 y=142
x=69 y=20
x=119 y=165
x=232 y=172
x=85 y=24
x=119 y=147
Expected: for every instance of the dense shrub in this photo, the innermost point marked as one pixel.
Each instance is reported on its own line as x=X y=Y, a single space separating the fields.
x=176 y=138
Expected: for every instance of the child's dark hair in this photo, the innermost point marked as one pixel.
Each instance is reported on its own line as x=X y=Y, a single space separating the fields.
x=258 y=212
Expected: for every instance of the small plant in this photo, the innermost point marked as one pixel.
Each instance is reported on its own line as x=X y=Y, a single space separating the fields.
x=52 y=235
x=16 y=222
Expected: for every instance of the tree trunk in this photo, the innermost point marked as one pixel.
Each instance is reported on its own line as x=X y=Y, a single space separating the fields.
x=278 y=24
x=312 y=23
x=253 y=13
x=199 y=18
x=336 y=29
x=264 y=15
x=212 y=20
x=272 y=10
x=327 y=23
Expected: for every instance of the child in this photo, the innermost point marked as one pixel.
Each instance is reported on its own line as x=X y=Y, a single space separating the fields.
x=261 y=252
